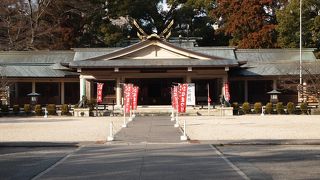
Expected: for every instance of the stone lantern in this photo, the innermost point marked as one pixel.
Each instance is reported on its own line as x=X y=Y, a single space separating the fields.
x=274 y=96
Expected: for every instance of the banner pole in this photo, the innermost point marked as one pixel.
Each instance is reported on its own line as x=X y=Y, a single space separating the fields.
x=184 y=136
x=177 y=120
x=124 y=117
x=208 y=99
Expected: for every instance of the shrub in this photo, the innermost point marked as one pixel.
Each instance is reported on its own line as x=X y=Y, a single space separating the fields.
x=91 y=104
x=4 y=109
x=279 y=108
x=235 y=106
x=257 y=107
x=38 y=110
x=27 y=108
x=291 y=108
x=16 y=109
x=65 y=109
x=51 y=108
x=246 y=108
x=304 y=108
x=269 y=108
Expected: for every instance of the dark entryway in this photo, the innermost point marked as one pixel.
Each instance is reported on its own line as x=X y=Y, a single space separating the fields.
x=154 y=91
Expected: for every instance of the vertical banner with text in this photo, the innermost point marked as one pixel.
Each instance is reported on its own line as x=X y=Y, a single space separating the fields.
x=127 y=97
x=99 y=92
x=191 y=95
x=226 y=92
x=175 y=98
x=183 y=90
x=135 y=92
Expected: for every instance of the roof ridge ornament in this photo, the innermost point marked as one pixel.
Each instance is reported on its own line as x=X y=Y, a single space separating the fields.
x=165 y=34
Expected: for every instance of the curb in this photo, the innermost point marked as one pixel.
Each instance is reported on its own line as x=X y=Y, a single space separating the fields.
x=40 y=144
x=259 y=142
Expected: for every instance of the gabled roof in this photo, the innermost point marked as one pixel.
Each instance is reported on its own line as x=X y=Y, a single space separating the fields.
x=154 y=52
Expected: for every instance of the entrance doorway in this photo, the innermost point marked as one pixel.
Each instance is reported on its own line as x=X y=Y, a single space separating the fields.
x=154 y=91
x=215 y=86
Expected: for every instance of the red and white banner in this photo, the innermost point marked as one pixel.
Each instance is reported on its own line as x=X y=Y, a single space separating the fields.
x=175 y=100
x=183 y=90
x=99 y=92
x=226 y=92
x=135 y=92
x=127 y=97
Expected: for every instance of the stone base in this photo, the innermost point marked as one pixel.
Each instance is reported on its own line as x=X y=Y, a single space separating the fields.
x=81 y=112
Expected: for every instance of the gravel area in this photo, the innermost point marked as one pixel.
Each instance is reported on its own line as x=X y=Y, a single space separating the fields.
x=252 y=127
x=57 y=129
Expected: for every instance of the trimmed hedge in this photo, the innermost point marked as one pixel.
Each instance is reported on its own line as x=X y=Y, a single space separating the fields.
x=235 y=106
x=38 y=110
x=291 y=108
x=27 y=108
x=304 y=108
x=246 y=108
x=65 y=109
x=257 y=107
x=16 y=109
x=51 y=108
x=269 y=108
x=279 y=108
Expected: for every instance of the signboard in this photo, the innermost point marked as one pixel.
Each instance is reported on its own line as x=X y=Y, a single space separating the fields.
x=191 y=95
x=226 y=92
x=183 y=89
x=135 y=91
x=99 y=92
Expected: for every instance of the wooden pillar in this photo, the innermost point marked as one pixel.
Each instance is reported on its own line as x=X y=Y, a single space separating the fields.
x=82 y=86
x=245 y=90
x=274 y=84
x=188 y=79
x=118 y=92
x=33 y=90
x=62 y=93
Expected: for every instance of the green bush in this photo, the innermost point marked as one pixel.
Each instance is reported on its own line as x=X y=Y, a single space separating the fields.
x=27 y=108
x=91 y=104
x=246 y=108
x=304 y=108
x=38 y=110
x=279 y=108
x=4 y=109
x=269 y=108
x=257 y=107
x=291 y=108
x=51 y=108
x=65 y=109
x=16 y=109
x=235 y=106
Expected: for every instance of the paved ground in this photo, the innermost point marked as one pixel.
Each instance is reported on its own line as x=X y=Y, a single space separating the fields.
x=253 y=127
x=150 y=149
x=57 y=129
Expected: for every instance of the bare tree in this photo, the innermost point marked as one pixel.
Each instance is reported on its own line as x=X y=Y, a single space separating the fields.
x=5 y=84
x=309 y=90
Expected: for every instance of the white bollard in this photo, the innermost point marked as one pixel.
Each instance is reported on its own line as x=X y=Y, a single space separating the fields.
x=110 y=137
x=172 y=115
x=177 y=121
x=130 y=115
x=184 y=136
x=124 y=125
x=134 y=114
x=262 y=111
x=45 y=113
